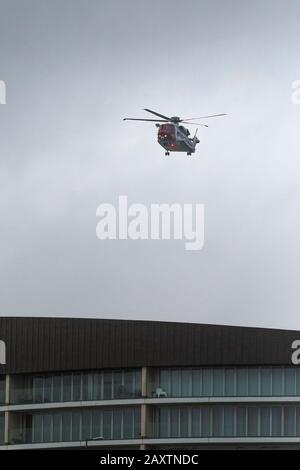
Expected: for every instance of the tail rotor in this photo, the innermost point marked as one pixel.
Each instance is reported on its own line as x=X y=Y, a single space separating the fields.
x=195 y=139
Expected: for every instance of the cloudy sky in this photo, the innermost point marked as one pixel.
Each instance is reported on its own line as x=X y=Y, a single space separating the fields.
x=73 y=70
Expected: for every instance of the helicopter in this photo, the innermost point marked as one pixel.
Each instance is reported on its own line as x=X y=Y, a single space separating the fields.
x=172 y=136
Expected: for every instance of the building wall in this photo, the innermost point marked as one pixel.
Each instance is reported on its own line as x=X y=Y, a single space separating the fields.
x=129 y=384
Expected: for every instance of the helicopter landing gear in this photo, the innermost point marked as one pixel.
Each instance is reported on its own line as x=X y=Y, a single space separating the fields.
x=167 y=154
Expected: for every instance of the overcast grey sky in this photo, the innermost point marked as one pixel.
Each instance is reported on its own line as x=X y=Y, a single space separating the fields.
x=73 y=70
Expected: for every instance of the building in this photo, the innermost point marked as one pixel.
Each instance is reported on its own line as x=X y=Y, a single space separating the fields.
x=67 y=383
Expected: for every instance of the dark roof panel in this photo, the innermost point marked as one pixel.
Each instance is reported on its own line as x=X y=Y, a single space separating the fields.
x=50 y=344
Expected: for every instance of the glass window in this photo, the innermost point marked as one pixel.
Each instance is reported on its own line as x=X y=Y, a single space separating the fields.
x=37 y=428
x=57 y=424
x=26 y=434
x=1 y=428
x=165 y=380
x=118 y=387
x=186 y=382
x=241 y=421
x=230 y=382
x=128 y=423
x=76 y=387
x=66 y=426
x=138 y=383
x=86 y=424
x=289 y=421
x=253 y=382
x=96 y=424
x=163 y=422
x=38 y=389
x=196 y=417
x=297 y=420
x=242 y=382
x=87 y=386
x=166 y=132
x=107 y=424
x=218 y=382
x=218 y=421
x=197 y=382
x=239 y=381
x=2 y=390
x=229 y=421
x=67 y=387
x=76 y=421
x=47 y=428
x=252 y=421
x=117 y=424
x=276 y=421
x=184 y=422
x=174 y=422
x=97 y=386
x=266 y=381
x=289 y=381
x=128 y=384
x=107 y=386
x=205 y=422
x=277 y=381
x=297 y=373
x=137 y=423
x=57 y=388
x=207 y=382
x=265 y=421
x=175 y=374
x=48 y=389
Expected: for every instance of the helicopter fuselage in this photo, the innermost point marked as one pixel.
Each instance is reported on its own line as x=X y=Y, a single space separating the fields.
x=175 y=138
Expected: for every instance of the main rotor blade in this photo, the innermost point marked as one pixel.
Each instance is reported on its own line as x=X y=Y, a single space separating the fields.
x=157 y=114
x=205 y=117
x=194 y=124
x=152 y=120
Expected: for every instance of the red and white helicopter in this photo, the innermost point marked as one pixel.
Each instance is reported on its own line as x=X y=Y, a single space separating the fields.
x=172 y=136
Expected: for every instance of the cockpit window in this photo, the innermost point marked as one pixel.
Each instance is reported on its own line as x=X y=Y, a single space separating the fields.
x=166 y=132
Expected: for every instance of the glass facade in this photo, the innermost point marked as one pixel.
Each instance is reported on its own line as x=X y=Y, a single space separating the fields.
x=231 y=419
x=81 y=425
x=227 y=421
x=77 y=386
x=2 y=389
x=1 y=428
x=230 y=381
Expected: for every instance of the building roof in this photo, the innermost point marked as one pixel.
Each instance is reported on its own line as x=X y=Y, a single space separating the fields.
x=59 y=344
